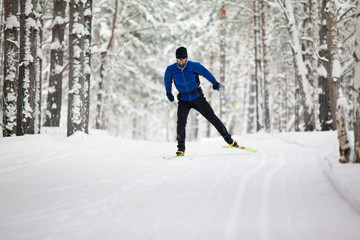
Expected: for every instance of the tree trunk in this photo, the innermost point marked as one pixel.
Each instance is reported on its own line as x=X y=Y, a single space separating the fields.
x=314 y=16
x=258 y=67
x=267 y=121
x=76 y=68
x=222 y=57
x=100 y=111
x=284 y=113
x=337 y=106
x=357 y=88
x=38 y=70
x=305 y=89
x=27 y=69
x=324 y=67
x=54 y=96
x=11 y=56
x=100 y=124
x=87 y=48
x=251 y=104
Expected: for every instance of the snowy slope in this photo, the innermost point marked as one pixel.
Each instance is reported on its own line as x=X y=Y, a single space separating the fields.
x=101 y=187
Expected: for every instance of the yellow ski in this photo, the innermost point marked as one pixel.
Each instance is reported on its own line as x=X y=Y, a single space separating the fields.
x=242 y=148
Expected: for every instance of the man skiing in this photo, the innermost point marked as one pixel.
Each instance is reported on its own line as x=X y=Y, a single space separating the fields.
x=185 y=75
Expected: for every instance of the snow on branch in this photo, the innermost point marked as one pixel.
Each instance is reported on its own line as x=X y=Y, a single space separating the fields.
x=12 y=22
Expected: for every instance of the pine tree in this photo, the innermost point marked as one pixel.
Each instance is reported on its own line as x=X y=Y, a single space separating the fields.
x=77 y=34
x=87 y=59
x=11 y=48
x=54 y=97
x=38 y=67
x=27 y=69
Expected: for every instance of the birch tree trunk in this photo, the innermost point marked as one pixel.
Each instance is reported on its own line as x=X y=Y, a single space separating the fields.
x=53 y=108
x=337 y=109
x=11 y=57
x=305 y=89
x=76 y=68
x=27 y=68
x=357 y=88
x=100 y=111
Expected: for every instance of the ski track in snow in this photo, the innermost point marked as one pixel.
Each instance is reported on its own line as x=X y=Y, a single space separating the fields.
x=109 y=188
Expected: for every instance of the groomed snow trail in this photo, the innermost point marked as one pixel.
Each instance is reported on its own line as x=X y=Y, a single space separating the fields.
x=99 y=187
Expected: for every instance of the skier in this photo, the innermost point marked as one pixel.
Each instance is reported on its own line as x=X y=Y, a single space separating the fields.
x=185 y=75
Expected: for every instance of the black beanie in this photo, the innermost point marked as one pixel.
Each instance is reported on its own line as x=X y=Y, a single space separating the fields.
x=181 y=52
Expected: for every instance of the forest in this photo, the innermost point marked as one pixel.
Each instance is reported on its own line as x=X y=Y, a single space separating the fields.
x=83 y=64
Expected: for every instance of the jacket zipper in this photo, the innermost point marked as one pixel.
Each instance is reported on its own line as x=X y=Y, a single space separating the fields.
x=182 y=71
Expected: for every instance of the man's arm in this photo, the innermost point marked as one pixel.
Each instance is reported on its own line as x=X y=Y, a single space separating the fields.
x=167 y=81
x=205 y=73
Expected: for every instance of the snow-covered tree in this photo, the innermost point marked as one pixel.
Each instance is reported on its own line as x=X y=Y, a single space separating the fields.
x=259 y=71
x=264 y=41
x=357 y=88
x=337 y=102
x=54 y=97
x=100 y=96
x=77 y=33
x=28 y=78
x=323 y=68
x=222 y=36
x=87 y=62
x=301 y=71
x=314 y=59
x=10 y=67
x=38 y=67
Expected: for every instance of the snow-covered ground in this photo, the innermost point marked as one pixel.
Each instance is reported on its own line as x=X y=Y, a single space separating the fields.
x=101 y=187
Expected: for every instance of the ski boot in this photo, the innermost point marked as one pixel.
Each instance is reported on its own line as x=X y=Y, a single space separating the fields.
x=180 y=153
x=234 y=144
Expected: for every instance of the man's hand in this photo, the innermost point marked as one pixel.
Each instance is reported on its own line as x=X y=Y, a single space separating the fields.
x=216 y=86
x=170 y=97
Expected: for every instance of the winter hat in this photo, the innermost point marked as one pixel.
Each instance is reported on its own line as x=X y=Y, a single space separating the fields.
x=181 y=52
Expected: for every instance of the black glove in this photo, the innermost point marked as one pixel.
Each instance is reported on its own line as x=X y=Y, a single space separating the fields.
x=216 y=86
x=170 y=97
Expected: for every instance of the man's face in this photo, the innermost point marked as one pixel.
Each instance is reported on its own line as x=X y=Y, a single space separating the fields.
x=181 y=62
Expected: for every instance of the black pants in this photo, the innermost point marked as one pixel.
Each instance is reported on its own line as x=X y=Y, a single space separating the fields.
x=202 y=106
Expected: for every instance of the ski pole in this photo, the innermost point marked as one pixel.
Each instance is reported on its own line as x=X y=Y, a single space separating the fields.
x=226 y=98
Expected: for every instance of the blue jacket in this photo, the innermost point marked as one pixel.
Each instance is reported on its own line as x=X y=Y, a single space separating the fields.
x=186 y=80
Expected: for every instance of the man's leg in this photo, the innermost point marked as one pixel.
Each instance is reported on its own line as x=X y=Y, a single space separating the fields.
x=206 y=110
x=182 y=115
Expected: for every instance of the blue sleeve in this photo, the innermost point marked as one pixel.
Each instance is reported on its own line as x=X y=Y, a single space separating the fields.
x=205 y=73
x=167 y=81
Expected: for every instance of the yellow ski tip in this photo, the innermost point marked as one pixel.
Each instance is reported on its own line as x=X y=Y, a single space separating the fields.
x=234 y=104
